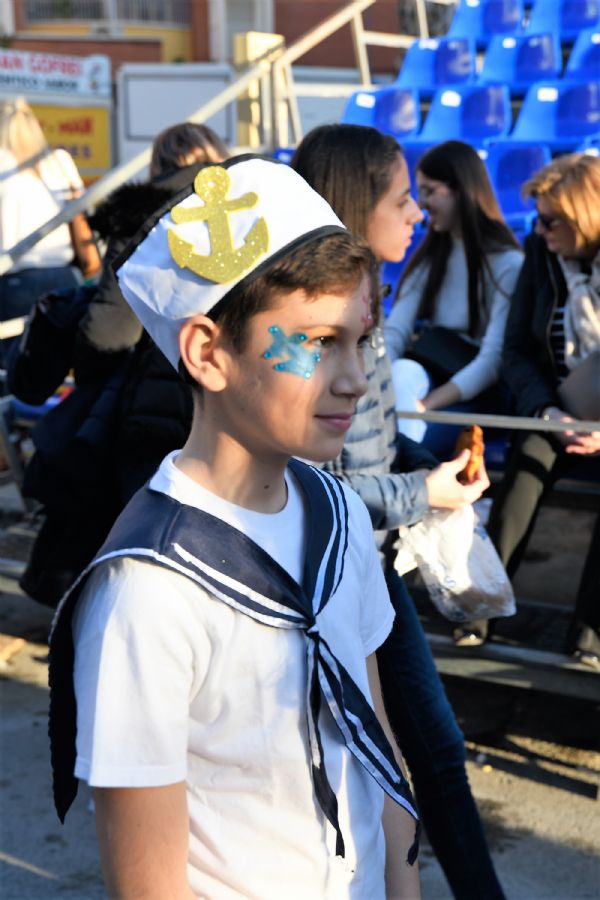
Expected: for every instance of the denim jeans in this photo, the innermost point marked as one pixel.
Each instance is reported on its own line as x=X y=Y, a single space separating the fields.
x=433 y=747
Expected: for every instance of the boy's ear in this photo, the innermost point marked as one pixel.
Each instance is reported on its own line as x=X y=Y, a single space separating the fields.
x=203 y=354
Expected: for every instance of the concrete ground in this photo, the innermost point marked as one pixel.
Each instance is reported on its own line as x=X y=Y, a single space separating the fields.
x=534 y=764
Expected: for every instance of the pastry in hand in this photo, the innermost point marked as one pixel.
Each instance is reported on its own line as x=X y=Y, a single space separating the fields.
x=471 y=439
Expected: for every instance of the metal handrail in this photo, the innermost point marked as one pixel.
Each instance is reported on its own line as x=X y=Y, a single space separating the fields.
x=283 y=88
x=273 y=71
x=118 y=176
x=322 y=31
x=488 y=420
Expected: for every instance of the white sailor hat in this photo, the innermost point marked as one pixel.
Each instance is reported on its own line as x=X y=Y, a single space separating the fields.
x=235 y=220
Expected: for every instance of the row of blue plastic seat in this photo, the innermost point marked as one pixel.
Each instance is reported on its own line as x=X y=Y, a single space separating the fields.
x=557 y=113
x=520 y=60
x=509 y=166
x=480 y=20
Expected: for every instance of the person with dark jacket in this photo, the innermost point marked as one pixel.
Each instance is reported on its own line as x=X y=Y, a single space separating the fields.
x=129 y=407
x=551 y=363
x=156 y=405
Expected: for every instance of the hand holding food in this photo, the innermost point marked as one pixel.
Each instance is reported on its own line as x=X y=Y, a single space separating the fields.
x=471 y=439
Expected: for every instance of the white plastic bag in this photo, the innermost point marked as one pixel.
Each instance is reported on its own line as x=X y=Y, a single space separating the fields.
x=459 y=565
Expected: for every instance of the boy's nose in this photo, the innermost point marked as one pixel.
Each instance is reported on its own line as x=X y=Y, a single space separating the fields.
x=352 y=381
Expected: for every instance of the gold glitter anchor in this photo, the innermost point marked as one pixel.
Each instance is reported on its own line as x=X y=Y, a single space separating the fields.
x=225 y=262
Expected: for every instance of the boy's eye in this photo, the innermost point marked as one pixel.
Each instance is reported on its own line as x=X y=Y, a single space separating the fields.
x=323 y=340
x=364 y=340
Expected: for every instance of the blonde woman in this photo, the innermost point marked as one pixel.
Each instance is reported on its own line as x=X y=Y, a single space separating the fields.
x=551 y=363
x=35 y=183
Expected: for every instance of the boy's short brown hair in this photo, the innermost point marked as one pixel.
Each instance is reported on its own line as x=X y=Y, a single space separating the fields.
x=323 y=266
x=336 y=262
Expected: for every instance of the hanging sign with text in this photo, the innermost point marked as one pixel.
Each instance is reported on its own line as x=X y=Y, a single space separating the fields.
x=25 y=72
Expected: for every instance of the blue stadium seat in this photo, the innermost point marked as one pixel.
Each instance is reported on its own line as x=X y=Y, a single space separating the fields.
x=476 y=114
x=360 y=108
x=510 y=166
x=393 y=110
x=283 y=154
x=519 y=60
x=431 y=63
x=480 y=20
x=591 y=146
x=397 y=112
x=559 y=114
x=565 y=18
x=584 y=61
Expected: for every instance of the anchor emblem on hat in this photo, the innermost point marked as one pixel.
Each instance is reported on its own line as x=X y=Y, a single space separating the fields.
x=225 y=262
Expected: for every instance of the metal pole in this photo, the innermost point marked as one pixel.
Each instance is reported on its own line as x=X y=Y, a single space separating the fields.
x=292 y=103
x=322 y=31
x=127 y=170
x=511 y=423
x=360 y=50
x=111 y=15
x=266 y=111
x=422 y=18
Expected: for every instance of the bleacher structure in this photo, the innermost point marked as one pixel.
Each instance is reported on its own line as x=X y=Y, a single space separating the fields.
x=521 y=84
x=518 y=80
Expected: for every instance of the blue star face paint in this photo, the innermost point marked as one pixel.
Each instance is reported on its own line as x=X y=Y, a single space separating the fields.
x=297 y=360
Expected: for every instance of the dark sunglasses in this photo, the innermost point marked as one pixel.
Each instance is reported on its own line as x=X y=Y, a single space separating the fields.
x=547 y=222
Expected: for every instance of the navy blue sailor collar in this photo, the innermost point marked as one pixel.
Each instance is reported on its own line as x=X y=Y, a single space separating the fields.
x=234 y=569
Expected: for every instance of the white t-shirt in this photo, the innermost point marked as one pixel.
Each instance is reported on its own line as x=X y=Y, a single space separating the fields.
x=28 y=201
x=173 y=684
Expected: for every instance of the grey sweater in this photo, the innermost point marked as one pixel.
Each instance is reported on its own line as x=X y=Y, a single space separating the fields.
x=377 y=462
x=452 y=311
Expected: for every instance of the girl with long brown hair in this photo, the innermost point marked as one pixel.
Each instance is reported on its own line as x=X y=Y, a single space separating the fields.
x=459 y=279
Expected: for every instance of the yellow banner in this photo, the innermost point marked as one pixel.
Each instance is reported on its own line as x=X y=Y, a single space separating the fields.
x=83 y=131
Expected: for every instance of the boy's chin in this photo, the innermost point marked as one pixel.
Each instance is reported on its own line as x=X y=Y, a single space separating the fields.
x=321 y=454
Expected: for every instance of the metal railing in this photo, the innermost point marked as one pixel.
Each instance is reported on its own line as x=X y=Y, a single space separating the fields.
x=285 y=91
x=278 y=92
x=510 y=423
x=53 y=10
x=127 y=170
x=174 y=12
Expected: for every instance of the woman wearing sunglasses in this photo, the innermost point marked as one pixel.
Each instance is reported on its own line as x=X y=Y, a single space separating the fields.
x=448 y=320
x=551 y=363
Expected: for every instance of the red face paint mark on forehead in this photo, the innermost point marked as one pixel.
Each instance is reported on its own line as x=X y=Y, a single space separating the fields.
x=367 y=316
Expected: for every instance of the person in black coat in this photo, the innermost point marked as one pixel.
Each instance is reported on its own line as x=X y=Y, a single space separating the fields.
x=551 y=363
x=129 y=408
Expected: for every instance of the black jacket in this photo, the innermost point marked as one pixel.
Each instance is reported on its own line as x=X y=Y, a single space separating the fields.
x=156 y=406
x=129 y=408
x=527 y=363
x=109 y=326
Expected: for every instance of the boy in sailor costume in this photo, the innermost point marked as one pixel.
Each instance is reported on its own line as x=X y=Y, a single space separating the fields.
x=212 y=671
